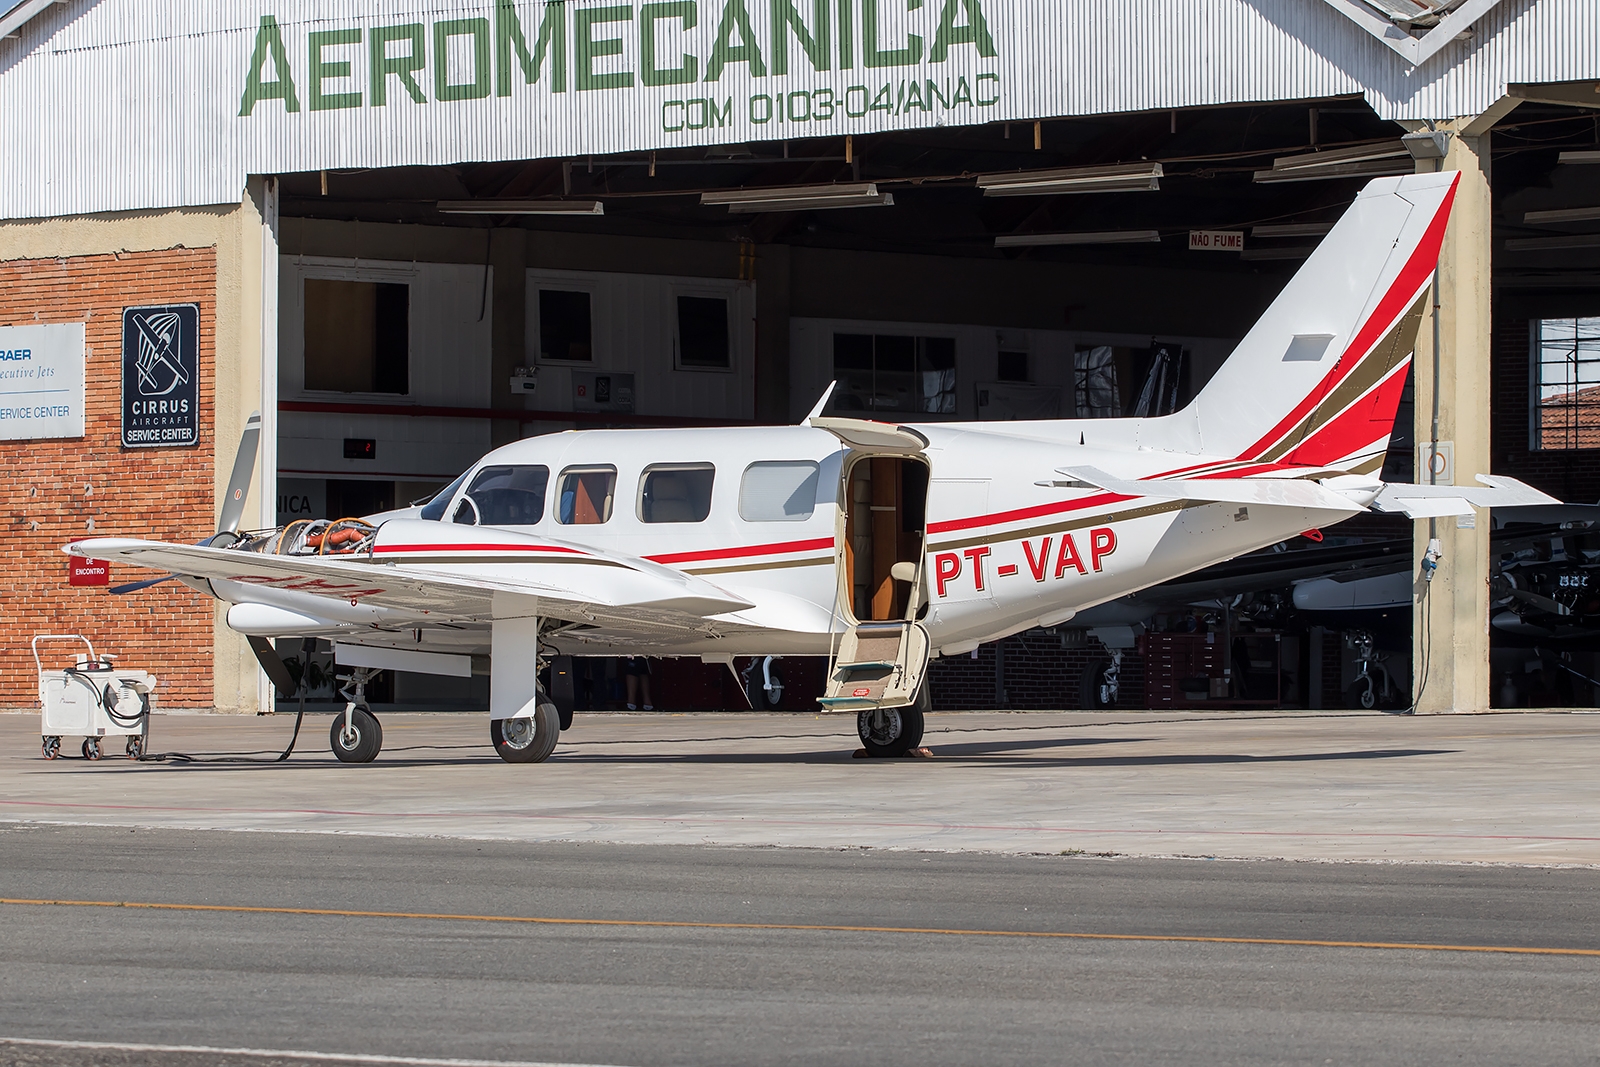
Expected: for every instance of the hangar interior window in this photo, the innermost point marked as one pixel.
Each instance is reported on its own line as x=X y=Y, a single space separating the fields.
x=1566 y=372
x=357 y=336
x=676 y=492
x=1013 y=367
x=894 y=374
x=505 y=496
x=703 y=333
x=586 y=495
x=778 y=492
x=1098 y=395
x=566 y=330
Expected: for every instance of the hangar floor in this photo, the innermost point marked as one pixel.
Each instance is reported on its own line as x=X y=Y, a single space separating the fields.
x=1515 y=788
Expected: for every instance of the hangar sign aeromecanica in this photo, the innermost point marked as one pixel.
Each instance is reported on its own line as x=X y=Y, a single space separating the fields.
x=850 y=60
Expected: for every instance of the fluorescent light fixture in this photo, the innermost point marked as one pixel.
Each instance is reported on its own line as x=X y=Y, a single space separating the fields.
x=1579 y=157
x=1104 y=237
x=1360 y=161
x=1566 y=214
x=1548 y=244
x=798 y=198
x=1281 y=252
x=521 y=207
x=1118 y=178
x=1292 y=229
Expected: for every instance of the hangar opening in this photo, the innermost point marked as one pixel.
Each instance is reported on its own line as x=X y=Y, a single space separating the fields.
x=1088 y=267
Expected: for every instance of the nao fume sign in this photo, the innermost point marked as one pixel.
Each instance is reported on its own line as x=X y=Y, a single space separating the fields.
x=161 y=376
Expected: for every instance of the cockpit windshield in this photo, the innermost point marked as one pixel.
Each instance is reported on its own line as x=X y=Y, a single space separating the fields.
x=433 y=510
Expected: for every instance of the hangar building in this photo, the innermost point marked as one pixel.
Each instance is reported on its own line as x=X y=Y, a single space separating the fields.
x=406 y=232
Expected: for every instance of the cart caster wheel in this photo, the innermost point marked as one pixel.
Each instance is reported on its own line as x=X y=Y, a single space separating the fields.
x=135 y=748
x=51 y=748
x=91 y=748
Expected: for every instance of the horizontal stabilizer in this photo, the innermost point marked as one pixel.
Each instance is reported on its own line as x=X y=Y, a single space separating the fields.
x=1438 y=501
x=1267 y=492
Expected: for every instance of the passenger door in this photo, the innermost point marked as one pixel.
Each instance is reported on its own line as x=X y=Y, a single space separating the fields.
x=880 y=545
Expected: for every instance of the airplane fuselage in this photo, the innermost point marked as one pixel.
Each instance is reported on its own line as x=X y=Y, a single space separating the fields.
x=1000 y=553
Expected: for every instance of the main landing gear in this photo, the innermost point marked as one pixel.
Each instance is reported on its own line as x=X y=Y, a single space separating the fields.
x=528 y=738
x=356 y=736
x=888 y=733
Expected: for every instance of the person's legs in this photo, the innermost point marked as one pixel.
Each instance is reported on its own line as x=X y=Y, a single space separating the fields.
x=644 y=685
x=632 y=681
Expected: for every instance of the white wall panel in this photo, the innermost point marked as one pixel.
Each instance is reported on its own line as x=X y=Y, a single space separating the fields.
x=123 y=104
x=634 y=323
x=449 y=330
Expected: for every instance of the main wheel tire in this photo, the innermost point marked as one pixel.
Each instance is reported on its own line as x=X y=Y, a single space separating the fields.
x=528 y=739
x=1089 y=686
x=91 y=748
x=895 y=732
x=362 y=743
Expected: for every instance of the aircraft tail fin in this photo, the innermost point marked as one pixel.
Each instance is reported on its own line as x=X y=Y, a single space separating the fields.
x=1319 y=377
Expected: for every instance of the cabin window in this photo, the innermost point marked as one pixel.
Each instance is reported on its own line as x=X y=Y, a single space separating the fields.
x=778 y=492
x=676 y=493
x=433 y=510
x=357 y=336
x=505 y=496
x=566 y=330
x=703 y=333
x=894 y=375
x=586 y=495
x=1566 y=373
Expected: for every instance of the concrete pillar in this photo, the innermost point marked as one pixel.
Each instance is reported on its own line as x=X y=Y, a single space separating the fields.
x=1450 y=615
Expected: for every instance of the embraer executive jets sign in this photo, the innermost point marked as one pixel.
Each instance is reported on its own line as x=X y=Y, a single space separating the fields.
x=737 y=69
x=41 y=381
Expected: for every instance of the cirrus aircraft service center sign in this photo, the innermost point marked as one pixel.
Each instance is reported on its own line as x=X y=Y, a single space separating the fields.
x=161 y=376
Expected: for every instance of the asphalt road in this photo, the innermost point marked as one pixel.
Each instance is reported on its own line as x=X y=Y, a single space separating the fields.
x=963 y=966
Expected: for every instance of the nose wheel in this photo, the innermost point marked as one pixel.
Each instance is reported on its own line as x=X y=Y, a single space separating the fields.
x=356 y=736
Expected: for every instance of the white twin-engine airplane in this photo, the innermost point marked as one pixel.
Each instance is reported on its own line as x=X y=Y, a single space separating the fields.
x=878 y=545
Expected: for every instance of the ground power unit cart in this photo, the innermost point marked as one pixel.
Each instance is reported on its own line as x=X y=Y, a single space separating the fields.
x=92 y=699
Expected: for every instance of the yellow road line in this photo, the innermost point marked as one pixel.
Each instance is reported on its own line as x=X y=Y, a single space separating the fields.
x=821 y=927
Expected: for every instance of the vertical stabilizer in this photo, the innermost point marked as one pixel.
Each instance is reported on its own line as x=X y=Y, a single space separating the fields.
x=1318 y=379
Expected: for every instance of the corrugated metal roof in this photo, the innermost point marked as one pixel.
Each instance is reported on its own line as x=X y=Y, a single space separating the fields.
x=128 y=104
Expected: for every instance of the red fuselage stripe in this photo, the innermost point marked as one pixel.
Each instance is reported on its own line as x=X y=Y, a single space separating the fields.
x=1023 y=514
x=812 y=545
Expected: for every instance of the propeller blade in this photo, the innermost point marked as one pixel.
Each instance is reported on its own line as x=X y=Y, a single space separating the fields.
x=134 y=587
x=244 y=466
x=273 y=665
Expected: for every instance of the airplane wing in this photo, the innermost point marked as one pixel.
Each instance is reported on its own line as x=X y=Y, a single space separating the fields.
x=420 y=570
x=1280 y=492
x=1437 y=501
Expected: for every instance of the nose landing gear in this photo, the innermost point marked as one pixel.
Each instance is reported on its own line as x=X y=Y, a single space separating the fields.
x=356 y=736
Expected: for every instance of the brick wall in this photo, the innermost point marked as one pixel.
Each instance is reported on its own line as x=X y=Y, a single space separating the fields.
x=1036 y=674
x=1571 y=474
x=53 y=490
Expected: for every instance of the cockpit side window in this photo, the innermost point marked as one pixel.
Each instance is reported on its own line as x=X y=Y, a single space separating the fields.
x=433 y=510
x=504 y=496
x=586 y=495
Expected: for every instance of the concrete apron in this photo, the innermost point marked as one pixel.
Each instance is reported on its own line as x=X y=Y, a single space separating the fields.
x=1517 y=788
